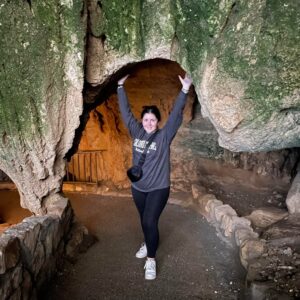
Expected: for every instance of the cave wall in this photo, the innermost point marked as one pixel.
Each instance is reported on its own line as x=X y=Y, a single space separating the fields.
x=41 y=80
x=195 y=150
x=242 y=56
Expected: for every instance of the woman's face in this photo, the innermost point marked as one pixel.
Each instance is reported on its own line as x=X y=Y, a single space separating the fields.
x=150 y=122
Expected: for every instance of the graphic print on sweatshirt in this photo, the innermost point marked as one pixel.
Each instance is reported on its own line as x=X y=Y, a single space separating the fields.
x=141 y=144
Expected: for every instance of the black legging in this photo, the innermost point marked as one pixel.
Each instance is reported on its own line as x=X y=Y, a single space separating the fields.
x=150 y=205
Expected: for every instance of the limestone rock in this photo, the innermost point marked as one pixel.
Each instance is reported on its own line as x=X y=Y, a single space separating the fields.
x=10 y=283
x=252 y=110
x=239 y=86
x=39 y=116
x=230 y=223
x=293 y=197
x=265 y=216
x=251 y=249
x=26 y=285
x=207 y=203
x=243 y=234
x=79 y=240
x=9 y=252
x=284 y=232
x=198 y=191
x=56 y=204
x=211 y=206
x=222 y=210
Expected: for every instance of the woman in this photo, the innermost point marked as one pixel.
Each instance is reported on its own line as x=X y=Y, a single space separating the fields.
x=151 y=192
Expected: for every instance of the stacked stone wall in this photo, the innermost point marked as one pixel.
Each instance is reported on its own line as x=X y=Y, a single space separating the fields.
x=31 y=251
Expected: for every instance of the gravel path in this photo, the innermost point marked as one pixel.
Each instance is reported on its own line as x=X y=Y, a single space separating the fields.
x=193 y=263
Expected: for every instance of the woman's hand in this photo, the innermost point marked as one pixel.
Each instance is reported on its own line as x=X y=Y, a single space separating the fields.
x=186 y=82
x=122 y=80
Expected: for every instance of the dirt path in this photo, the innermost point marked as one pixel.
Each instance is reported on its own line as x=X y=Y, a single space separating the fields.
x=193 y=263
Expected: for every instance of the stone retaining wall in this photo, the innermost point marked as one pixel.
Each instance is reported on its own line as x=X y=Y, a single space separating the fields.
x=272 y=258
x=31 y=250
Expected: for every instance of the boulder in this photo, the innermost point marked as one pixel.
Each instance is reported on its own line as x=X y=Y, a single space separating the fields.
x=222 y=210
x=243 y=234
x=230 y=223
x=198 y=190
x=284 y=232
x=265 y=216
x=251 y=249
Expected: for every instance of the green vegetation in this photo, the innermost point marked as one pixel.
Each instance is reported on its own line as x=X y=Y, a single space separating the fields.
x=261 y=46
x=34 y=43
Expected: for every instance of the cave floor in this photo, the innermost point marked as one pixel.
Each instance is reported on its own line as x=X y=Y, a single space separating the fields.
x=193 y=262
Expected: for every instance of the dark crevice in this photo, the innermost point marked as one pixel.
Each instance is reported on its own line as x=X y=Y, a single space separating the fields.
x=100 y=120
x=93 y=97
x=4 y=138
x=296 y=166
x=228 y=17
x=29 y=3
x=195 y=108
x=103 y=38
x=85 y=114
x=290 y=109
x=99 y=4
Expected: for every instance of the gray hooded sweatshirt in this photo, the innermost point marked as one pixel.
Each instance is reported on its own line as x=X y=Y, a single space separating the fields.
x=156 y=169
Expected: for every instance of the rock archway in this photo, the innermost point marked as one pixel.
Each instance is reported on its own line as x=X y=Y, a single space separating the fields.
x=242 y=56
x=104 y=144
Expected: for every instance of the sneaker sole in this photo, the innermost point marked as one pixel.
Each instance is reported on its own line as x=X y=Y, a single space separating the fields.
x=150 y=277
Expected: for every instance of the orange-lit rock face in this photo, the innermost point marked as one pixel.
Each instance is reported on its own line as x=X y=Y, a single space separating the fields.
x=151 y=83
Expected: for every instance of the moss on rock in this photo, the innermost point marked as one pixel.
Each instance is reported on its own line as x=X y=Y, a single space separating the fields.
x=41 y=69
x=34 y=42
x=132 y=27
x=261 y=46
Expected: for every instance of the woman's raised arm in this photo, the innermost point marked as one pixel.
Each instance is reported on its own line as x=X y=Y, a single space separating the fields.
x=176 y=115
x=128 y=118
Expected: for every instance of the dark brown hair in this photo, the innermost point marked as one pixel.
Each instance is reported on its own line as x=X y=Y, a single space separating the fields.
x=152 y=109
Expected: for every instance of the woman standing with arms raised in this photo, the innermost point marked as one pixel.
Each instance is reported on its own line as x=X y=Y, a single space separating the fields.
x=151 y=192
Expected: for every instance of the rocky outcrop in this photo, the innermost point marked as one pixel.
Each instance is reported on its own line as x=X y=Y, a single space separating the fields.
x=266 y=216
x=242 y=56
x=41 y=79
x=246 y=78
x=250 y=82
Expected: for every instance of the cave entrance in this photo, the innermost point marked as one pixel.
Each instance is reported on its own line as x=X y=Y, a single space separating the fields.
x=11 y=211
x=104 y=149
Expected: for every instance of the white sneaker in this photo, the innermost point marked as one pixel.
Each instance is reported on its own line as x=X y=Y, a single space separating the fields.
x=142 y=252
x=150 y=269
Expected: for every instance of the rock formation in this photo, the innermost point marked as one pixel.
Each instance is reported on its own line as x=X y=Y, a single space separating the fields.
x=41 y=80
x=243 y=57
x=246 y=78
